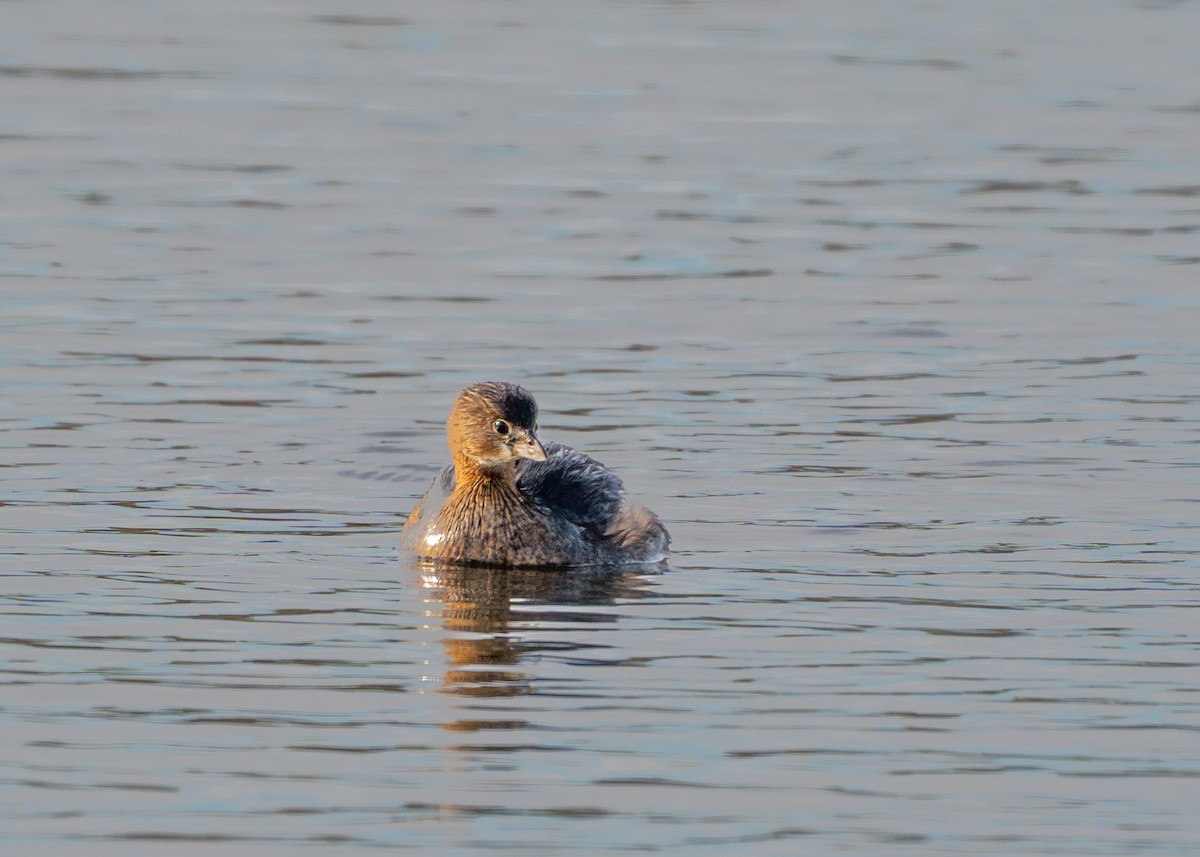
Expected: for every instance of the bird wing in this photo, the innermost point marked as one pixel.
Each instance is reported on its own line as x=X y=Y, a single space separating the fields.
x=572 y=485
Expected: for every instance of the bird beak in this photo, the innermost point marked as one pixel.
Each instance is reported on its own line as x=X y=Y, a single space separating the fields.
x=526 y=445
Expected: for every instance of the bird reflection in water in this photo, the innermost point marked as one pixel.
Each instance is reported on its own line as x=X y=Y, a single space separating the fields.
x=481 y=605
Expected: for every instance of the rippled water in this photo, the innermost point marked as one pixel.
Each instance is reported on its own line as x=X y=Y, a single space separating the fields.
x=890 y=310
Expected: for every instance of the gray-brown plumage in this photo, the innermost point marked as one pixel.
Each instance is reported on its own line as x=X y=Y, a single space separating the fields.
x=510 y=500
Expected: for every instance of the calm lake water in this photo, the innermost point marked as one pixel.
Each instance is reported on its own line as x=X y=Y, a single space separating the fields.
x=891 y=310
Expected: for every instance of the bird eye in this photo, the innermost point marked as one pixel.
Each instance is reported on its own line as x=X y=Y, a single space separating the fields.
x=501 y=427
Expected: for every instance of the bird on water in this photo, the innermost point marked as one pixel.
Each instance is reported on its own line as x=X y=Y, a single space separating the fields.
x=509 y=499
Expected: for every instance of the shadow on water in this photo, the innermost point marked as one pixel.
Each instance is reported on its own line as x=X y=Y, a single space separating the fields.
x=496 y=618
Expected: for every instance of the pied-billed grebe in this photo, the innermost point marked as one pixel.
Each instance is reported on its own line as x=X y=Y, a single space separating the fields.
x=510 y=500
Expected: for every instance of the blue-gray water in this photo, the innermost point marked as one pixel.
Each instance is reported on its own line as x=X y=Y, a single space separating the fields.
x=889 y=309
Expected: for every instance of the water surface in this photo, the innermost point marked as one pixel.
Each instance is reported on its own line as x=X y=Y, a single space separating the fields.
x=888 y=309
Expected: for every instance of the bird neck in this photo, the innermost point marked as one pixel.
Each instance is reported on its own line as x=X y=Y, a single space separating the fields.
x=477 y=476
